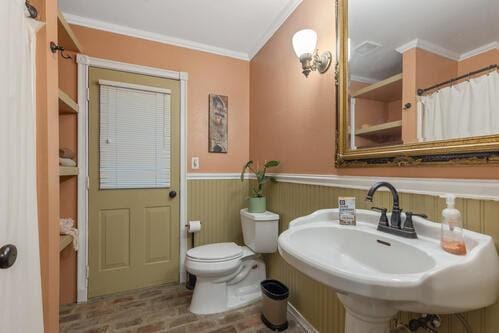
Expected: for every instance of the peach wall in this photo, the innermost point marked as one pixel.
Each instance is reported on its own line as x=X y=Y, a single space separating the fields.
x=208 y=73
x=293 y=118
x=47 y=163
x=370 y=112
x=477 y=62
x=432 y=68
x=394 y=110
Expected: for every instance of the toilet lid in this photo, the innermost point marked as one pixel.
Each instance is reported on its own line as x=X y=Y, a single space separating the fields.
x=215 y=252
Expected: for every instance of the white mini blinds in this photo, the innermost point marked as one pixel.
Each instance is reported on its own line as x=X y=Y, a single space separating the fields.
x=135 y=136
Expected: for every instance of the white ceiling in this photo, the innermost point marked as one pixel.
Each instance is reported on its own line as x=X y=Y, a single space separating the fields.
x=237 y=28
x=458 y=26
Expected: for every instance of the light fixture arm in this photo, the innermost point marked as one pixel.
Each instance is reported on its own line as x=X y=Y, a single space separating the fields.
x=314 y=62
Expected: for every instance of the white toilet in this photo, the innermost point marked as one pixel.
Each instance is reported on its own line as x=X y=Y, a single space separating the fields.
x=229 y=275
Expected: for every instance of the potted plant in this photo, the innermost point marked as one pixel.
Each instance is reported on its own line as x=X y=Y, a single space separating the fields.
x=257 y=201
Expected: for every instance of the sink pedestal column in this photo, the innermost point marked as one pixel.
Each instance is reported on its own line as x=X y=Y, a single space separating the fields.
x=366 y=315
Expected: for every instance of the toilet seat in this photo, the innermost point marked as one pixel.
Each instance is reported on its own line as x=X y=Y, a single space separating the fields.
x=214 y=253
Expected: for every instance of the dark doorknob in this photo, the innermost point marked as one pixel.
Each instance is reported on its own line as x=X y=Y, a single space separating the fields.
x=8 y=256
x=172 y=194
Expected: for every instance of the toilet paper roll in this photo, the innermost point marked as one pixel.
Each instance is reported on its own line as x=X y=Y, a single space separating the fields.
x=193 y=227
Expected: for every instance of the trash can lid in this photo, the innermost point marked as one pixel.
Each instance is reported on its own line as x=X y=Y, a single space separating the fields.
x=274 y=289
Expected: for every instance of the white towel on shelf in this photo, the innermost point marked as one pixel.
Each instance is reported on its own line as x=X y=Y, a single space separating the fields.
x=66 y=227
x=67 y=162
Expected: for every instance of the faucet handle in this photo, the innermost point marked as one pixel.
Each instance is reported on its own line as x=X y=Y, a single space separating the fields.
x=408 y=224
x=383 y=219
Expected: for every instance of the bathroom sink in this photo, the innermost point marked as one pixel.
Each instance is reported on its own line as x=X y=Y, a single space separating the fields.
x=377 y=274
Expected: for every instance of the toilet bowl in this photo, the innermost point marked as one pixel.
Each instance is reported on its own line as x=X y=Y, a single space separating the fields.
x=228 y=276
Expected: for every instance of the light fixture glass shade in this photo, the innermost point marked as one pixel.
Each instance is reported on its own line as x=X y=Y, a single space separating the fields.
x=304 y=41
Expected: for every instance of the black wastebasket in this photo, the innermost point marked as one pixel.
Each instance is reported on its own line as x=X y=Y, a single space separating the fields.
x=275 y=305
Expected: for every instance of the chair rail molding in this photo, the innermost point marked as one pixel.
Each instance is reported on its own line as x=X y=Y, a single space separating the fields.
x=479 y=189
x=215 y=176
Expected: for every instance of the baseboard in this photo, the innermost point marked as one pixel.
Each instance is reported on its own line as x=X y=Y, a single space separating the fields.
x=300 y=320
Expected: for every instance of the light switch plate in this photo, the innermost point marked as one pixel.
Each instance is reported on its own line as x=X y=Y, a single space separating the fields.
x=195 y=163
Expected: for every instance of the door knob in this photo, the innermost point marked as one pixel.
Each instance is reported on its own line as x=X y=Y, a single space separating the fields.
x=172 y=194
x=8 y=256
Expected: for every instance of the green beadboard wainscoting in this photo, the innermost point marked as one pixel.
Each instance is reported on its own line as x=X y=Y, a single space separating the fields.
x=318 y=303
x=216 y=203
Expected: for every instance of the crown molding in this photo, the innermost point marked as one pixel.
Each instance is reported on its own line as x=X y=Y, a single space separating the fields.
x=480 y=50
x=430 y=47
x=152 y=36
x=165 y=39
x=281 y=18
x=441 y=51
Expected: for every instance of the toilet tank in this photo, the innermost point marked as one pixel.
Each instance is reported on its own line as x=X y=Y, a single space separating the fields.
x=260 y=231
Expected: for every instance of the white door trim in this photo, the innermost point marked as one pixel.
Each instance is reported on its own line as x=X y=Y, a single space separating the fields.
x=84 y=62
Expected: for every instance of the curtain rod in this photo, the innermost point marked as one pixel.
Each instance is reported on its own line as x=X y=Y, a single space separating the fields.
x=488 y=68
x=32 y=11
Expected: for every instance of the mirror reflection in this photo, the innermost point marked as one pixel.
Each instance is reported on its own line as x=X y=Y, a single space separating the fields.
x=422 y=71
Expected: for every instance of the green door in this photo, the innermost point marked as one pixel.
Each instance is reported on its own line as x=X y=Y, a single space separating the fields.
x=133 y=232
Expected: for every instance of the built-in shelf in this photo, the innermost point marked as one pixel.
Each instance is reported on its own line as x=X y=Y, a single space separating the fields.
x=66 y=36
x=66 y=104
x=390 y=128
x=388 y=90
x=68 y=171
x=64 y=241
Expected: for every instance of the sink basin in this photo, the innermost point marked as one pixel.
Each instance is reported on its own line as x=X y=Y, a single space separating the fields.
x=378 y=274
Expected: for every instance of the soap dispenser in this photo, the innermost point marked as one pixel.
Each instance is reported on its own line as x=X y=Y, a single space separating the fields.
x=452 y=237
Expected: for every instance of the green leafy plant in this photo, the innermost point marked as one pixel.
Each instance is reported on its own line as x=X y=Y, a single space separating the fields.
x=261 y=176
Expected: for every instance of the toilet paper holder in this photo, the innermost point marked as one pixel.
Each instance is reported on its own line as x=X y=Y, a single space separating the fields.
x=187 y=225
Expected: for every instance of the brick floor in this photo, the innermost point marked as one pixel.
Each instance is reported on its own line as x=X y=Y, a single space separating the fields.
x=158 y=309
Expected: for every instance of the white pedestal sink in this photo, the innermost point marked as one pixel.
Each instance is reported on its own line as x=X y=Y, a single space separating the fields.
x=378 y=274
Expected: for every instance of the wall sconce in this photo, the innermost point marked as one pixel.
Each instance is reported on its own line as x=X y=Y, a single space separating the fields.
x=304 y=44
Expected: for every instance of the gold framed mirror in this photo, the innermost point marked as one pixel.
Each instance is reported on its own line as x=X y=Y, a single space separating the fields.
x=417 y=94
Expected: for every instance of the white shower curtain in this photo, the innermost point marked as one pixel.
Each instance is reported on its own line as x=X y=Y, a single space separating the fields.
x=20 y=285
x=464 y=110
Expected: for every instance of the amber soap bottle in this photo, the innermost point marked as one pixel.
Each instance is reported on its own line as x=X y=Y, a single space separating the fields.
x=452 y=237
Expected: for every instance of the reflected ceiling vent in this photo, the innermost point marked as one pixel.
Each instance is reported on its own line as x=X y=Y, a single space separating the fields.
x=366 y=48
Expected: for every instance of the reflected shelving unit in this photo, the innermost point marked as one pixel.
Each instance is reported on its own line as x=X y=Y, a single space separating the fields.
x=376 y=109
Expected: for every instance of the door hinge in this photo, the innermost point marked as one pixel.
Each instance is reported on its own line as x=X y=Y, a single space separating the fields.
x=87 y=272
x=88 y=94
x=87 y=183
